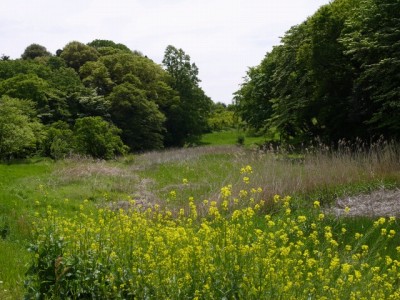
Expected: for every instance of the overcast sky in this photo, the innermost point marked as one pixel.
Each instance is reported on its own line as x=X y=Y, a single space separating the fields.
x=223 y=37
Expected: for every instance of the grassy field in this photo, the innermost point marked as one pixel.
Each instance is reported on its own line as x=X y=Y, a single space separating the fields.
x=31 y=190
x=230 y=137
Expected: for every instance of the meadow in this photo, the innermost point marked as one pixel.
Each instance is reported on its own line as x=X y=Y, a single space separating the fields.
x=217 y=221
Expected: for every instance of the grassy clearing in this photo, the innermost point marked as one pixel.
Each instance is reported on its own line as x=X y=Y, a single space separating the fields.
x=153 y=178
x=230 y=137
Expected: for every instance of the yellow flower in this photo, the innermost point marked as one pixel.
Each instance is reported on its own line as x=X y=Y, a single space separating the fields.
x=316 y=204
x=246 y=170
x=301 y=219
x=346 y=268
x=226 y=191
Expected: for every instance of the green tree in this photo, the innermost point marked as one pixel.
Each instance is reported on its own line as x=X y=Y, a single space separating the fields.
x=254 y=100
x=20 y=131
x=98 y=138
x=101 y=44
x=221 y=117
x=371 y=37
x=190 y=118
x=303 y=87
x=76 y=54
x=96 y=76
x=49 y=101
x=35 y=50
x=140 y=119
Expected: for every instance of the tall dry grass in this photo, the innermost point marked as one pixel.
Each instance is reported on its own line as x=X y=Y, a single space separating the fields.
x=322 y=167
x=275 y=170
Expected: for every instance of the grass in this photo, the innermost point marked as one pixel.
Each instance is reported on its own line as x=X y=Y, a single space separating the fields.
x=230 y=137
x=29 y=187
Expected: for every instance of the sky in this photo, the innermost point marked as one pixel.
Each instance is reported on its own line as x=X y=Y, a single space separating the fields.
x=223 y=37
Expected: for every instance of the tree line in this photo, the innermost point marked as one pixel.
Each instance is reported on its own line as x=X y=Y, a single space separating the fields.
x=100 y=99
x=335 y=76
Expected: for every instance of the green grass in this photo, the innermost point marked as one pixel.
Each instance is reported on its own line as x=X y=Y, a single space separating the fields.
x=230 y=137
x=14 y=261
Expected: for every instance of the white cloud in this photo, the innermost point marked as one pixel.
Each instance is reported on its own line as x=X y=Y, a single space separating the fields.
x=223 y=37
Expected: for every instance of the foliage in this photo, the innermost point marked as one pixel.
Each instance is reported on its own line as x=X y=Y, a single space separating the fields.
x=235 y=251
x=35 y=50
x=332 y=77
x=98 y=138
x=99 y=44
x=77 y=54
x=222 y=118
x=190 y=117
x=108 y=80
x=20 y=131
x=371 y=37
x=140 y=120
x=59 y=141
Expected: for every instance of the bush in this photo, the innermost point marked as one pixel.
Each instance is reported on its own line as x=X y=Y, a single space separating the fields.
x=59 y=141
x=20 y=131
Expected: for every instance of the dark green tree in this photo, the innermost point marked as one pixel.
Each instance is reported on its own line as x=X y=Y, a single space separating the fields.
x=372 y=38
x=35 y=50
x=254 y=101
x=98 y=138
x=140 y=119
x=190 y=117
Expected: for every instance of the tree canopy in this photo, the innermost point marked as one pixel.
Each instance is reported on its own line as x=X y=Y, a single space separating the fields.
x=334 y=76
x=105 y=85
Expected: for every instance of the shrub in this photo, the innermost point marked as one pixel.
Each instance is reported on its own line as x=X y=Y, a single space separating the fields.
x=20 y=131
x=59 y=142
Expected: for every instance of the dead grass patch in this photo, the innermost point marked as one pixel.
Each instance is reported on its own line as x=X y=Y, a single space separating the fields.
x=380 y=203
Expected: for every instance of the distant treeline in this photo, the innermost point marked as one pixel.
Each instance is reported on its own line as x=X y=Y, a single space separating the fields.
x=100 y=99
x=334 y=76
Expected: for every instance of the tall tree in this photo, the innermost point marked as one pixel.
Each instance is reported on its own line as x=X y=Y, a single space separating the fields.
x=372 y=38
x=190 y=120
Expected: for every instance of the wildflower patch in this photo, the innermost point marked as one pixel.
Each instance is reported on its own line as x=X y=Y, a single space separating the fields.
x=230 y=252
